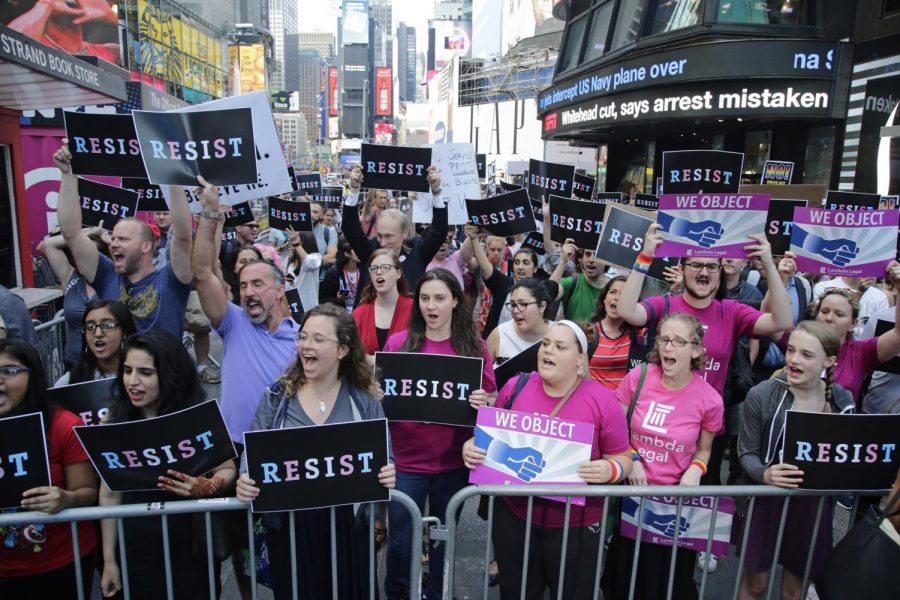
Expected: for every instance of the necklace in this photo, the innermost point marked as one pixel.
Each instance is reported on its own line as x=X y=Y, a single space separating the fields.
x=321 y=407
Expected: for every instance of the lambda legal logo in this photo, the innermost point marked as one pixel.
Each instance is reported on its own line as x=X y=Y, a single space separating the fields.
x=656 y=417
x=550 y=122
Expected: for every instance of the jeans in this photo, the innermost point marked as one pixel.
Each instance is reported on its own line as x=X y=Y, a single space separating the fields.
x=438 y=489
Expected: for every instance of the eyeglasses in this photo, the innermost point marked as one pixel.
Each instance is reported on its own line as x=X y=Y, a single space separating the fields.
x=696 y=267
x=521 y=306
x=105 y=326
x=10 y=371
x=381 y=269
x=315 y=341
x=677 y=342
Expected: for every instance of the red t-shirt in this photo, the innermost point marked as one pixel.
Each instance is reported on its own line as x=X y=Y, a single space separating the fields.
x=42 y=548
x=610 y=360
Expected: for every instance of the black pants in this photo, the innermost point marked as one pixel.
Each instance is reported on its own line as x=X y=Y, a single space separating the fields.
x=544 y=553
x=52 y=585
x=714 y=468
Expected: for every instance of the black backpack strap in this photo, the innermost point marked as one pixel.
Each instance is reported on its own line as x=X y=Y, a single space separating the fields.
x=637 y=392
x=520 y=384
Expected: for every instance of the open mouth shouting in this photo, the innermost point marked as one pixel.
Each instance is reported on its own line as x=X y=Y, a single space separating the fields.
x=136 y=395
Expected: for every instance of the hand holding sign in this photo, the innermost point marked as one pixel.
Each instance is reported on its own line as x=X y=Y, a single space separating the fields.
x=783 y=475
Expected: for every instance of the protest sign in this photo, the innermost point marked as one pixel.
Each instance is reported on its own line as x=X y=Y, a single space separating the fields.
x=545 y=178
x=296 y=306
x=331 y=197
x=622 y=238
x=104 y=203
x=710 y=225
x=893 y=365
x=523 y=362
x=228 y=234
x=177 y=147
x=504 y=214
x=23 y=457
x=660 y=513
x=509 y=187
x=308 y=184
x=856 y=243
x=579 y=220
x=132 y=456
x=889 y=202
x=89 y=400
x=843 y=452
x=395 y=167
x=535 y=241
x=150 y=196
x=481 y=164
x=839 y=200
x=103 y=144
x=610 y=198
x=779 y=222
x=459 y=181
x=292 y=175
x=777 y=172
x=287 y=213
x=312 y=467
x=646 y=201
x=583 y=186
x=701 y=171
x=531 y=448
x=431 y=388
x=239 y=214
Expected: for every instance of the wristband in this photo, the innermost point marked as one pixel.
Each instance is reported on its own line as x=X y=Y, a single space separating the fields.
x=352 y=198
x=640 y=268
x=210 y=214
x=635 y=455
x=699 y=464
x=616 y=471
x=644 y=259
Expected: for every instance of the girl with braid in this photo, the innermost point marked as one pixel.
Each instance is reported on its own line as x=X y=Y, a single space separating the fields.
x=813 y=348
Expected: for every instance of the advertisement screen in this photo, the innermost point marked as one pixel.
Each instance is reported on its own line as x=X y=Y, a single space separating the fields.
x=355 y=20
x=251 y=66
x=333 y=92
x=451 y=38
x=384 y=92
x=384 y=133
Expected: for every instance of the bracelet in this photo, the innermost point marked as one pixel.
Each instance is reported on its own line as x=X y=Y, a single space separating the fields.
x=210 y=214
x=635 y=455
x=616 y=469
x=641 y=268
x=699 y=464
x=645 y=259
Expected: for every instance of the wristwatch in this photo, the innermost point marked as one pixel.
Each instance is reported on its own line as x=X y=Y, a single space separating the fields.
x=210 y=214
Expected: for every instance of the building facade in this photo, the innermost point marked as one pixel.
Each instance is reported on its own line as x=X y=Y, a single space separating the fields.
x=282 y=22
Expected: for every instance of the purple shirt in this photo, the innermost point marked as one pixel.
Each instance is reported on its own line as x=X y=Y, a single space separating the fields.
x=253 y=359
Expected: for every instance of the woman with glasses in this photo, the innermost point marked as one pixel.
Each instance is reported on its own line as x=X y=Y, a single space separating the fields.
x=36 y=560
x=429 y=455
x=559 y=388
x=609 y=362
x=330 y=382
x=384 y=303
x=105 y=326
x=673 y=415
x=531 y=304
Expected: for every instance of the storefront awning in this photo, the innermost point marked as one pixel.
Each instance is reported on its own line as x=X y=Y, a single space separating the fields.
x=35 y=76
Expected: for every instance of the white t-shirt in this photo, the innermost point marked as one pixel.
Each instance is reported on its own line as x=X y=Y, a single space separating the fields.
x=871 y=303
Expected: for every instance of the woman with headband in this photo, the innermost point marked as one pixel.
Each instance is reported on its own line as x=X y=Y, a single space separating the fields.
x=561 y=388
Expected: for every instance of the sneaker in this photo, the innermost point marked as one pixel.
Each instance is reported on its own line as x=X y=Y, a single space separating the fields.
x=707 y=562
x=210 y=375
x=811 y=593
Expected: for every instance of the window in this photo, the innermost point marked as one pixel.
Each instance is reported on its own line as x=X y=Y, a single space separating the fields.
x=572 y=44
x=762 y=12
x=819 y=155
x=628 y=23
x=598 y=33
x=672 y=15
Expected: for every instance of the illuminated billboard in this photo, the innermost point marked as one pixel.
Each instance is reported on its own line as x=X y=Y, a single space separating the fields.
x=251 y=66
x=451 y=38
x=355 y=22
x=384 y=92
x=333 y=92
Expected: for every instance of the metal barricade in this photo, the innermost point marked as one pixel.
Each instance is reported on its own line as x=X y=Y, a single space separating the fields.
x=208 y=506
x=448 y=532
x=51 y=346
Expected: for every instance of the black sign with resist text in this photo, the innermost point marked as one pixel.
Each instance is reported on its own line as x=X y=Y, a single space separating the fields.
x=623 y=237
x=840 y=200
x=579 y=220
x=103 y=144
x=308 y=184
x=285 y=213
x=294 y=303
x=504 y=214
x=23 y=457
x=431 y=388
x=104 y=203
x=395 y=167
x=89 y=400
x=239 y=214
x=694 y=171
x=535 y=241
x=312 y=467
x=583 y=186
x=545 y=178
x=779 y=221
x=331 y=197
x=481 y=164
x=610 y=198
x=646 y=201
x=150 y=196
x=132 y=456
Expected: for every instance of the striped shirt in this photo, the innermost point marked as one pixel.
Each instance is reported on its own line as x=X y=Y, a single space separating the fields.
x=610 y=360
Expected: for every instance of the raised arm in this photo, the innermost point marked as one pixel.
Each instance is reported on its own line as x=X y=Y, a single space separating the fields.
x=52 y=249
x=180 y=239
x=68 y=211
x=889 y=342
x=436 y=234
x=350 y=225
x=780 y=316
x=545 y=212
x=212 y=295
x=487 y=269
x=628 y=307
x=568 y=253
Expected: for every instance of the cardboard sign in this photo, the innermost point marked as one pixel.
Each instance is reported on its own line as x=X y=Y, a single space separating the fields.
x=843 y=452
x=836 y=200
x=583 y=186
x=646 y=201
x=131 y=456
x=891 y=366
x=104 y=203
x=710 y=225
x=395 y=167
x=103 y=144
x=293 y=300
x=504 y=214
x=481 y=164
x=286 y=213
x=779 y=223
x=701 y=171
x=239 y=214
x=546 y=178
x=311 y=467
x=177 y=147
x=150 y=195
x=89 y=400
x=660 y=513
x=577 y=219
x=611 y=198
x=308 y=184
x=523 y=362
x=459 y=181
x=531 y=449
x=622 y=238
x=331 y=197
x=431 y=388
x=777 y=172
x=23 y=457
x=535 y=241
x=856 y=243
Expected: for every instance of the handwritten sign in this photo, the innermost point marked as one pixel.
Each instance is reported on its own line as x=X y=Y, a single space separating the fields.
x=459 y=182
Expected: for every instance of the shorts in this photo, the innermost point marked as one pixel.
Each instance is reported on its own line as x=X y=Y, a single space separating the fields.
x=195 y=320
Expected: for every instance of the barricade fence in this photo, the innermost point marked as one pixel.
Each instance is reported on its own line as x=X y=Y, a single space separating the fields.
x=206 y=507
x=680 y=494
x=51 y=346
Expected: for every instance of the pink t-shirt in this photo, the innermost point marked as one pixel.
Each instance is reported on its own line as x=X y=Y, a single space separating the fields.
x=453 y=263
x=589 y=403
x=666 y=424
x=432 y=448
x=724 y=321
